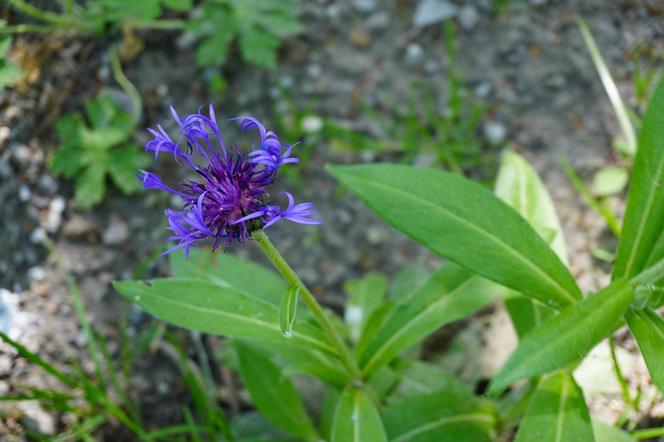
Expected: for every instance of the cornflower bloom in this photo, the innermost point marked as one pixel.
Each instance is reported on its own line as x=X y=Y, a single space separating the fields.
x=229 y=198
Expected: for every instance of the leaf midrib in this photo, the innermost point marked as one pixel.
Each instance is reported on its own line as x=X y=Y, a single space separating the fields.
x=560 y=419
x=484 y=233
x=268 y=325
x=644 y=217
x=470 y=417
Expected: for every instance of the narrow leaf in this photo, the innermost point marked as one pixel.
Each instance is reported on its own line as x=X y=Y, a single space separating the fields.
x=440 y=417
x=567 y=336
x=648 y=330
x=451 y=294
x=464 y=222
x=356 y=418
x=288 y=311
x=366 y=295
x=273 y=393
x=557 y=413
x=609 y=433
x=644 y=216
x=212 y=308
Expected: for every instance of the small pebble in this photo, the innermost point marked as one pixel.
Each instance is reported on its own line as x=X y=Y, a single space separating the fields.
x=468 y=17
x=116 y=233
x=414 y=54
x=494 y=132
x=430 y=12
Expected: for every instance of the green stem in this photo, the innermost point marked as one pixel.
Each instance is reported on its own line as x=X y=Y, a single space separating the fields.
x=291 y=277
x=651 y=275
x=648 y=433
x=621 y=377
x=48 y=17
x=26 y=28
x=127 y=86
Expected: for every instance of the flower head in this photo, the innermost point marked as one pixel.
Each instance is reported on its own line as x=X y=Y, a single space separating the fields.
x=229 y=197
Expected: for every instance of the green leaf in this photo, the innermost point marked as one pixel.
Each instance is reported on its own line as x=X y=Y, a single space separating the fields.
x=273 y=393
x=212 y=308
x=609 y=433
x=356 y=418
x=610 y=180
x=10 y=72
x=452 y=293
x=288 y=311
x=644 y=216
x=230 y=270
x=421 y=378
x=519 y=186
x=557 y=412
x=462 y=221
x=90 y=186
x=648 y=330
x=440 y=417
x=259 y=47
x=567 y=337
x=177 y=5
x=123 y=167
x=366 y=295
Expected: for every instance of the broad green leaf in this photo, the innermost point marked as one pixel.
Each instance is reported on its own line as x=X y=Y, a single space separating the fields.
x=648 y=330
x=420 y=378
x=90 y=186
x=230 y=270
x=366 y=295
x=609 y=433
x=211 y=308
x=287 y=311
x=557 y=413
x=330 y=401
x=462 y=221
x=452 y=293
x=610 y=180
x=566 y=337
x=644 y=216
x=440 y=417
x=519 y=186
x=272 y=393
x=356 y=418
x=123 y=164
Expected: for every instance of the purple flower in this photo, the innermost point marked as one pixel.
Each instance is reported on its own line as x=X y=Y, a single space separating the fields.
x=229 y=198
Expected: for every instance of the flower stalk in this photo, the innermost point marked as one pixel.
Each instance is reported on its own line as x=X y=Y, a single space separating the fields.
x=291 y=277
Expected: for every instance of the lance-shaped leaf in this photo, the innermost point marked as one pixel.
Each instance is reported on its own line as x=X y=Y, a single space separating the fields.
x=272 y=393
x=452 y=293
x=356 y=418
x=607 y=433
x=566 y=337
x=443 y=416
x=648 y=329
x=288 y=311
x=557 y=412
x=211 y=308
x=519 y=186
x=227 y=269
x=644 y=216
x=464 y=222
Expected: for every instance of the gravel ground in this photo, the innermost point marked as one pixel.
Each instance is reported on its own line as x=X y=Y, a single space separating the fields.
x=527 y=61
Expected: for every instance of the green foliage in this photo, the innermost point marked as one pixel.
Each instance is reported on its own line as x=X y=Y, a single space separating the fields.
x=456 y=218
x=648 y=330
x=257 y=26
x=568 y=336
x=273 y=393
x=440 y=416
x=356 y=418
x=557 y=412
x=10 y=72
x=101 y=147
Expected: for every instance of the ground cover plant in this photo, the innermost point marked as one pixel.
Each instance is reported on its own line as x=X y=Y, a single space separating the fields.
x=182 y=275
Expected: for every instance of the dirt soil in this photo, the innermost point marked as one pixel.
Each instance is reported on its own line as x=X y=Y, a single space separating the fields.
x=526 y=60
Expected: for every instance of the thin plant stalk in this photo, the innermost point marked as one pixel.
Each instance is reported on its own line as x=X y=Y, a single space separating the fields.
x=648 y=433
x=627 y=397
x=127 y=86
x=291 y=277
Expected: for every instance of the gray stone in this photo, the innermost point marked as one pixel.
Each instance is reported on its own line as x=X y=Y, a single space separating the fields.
x=430 y=12
x=414 y=54
x=79 y=227
x=116 y=233
x=364 y=5
x=468 y=17
x=494 y=132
